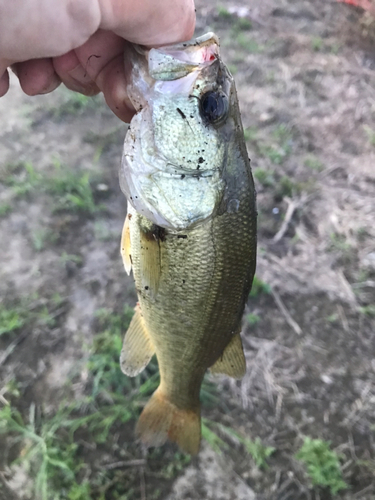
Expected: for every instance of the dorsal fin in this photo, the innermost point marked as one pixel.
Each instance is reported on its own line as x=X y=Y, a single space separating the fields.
x=232 y=362
x=137 y=349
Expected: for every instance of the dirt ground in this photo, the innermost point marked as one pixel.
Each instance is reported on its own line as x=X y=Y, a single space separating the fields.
x=305 y=73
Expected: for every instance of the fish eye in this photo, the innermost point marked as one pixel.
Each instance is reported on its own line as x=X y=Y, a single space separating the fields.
x=214 y=106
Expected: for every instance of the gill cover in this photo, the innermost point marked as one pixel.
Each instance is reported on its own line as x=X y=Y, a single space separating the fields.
x=174 y=154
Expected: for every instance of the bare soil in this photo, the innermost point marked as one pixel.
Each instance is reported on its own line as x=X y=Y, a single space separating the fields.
x=305 y=73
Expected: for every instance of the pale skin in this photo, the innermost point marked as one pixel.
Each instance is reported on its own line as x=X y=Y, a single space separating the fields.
x=81 y=43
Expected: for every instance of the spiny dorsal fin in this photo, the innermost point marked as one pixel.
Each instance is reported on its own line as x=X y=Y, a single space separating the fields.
x=232 y=362
x=137 y=349
x=125 y=246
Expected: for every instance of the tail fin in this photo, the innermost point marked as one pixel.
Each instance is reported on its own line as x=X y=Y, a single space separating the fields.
x=162 y=420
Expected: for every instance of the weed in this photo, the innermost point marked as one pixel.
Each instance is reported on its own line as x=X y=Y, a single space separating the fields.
x=265 y=178
x=65 y=258
x=250 y=134
x=333 y=318
x=311 y=161
x=216 y=443
x=256 y=449
x=368 y=310
x=101 y=231
x=23 y=179
x=259 y=287
x=73 y=192
x=223 y=12
x=5 y=208
x=252 y=319
x=233 y=69
x=75 y=104
x=276 y=155
x=243 y=24
x=247 y=43
x=40 y=237
x=11 y=319
x=286 y=187
x=339 y=243
x=370 y=134
x=323 y=464
x=316 y=44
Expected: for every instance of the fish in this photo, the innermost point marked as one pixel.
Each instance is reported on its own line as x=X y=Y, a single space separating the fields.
x=189 y=236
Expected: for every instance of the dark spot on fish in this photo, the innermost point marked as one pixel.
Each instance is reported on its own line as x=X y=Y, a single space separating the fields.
x=182 y=236
x=183 y=176
x=201 y=160
x=131 y=260
x=181 y=113
x=146 y=287
x=158 y=233
x=130 y=216
x=183 y=281
x=191 y=116
x=198 y=167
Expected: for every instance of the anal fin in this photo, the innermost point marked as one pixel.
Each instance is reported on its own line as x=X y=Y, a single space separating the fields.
x=137 y=349
x=232 y=362
x=125 y=246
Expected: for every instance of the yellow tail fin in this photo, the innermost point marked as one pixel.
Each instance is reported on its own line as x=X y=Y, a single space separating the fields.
x=162 y=420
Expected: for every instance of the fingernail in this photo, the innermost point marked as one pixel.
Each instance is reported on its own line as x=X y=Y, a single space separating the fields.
x=82 y=81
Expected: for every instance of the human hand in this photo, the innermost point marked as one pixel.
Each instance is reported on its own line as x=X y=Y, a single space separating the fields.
x=81 y=43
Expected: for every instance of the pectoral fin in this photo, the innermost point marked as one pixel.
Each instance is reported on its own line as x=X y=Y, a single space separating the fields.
x=232 y=362
x=150 y=262
x=137 y=349
x=125 y=246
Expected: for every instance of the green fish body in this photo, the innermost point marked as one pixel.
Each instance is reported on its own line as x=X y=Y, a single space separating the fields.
x=190 y=233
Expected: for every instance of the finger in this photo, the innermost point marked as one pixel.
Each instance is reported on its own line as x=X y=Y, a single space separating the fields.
x=102 y=57
x=149 y=23
x=73 y=75
x=4 y=83
x=37 y=76
x=112 y=82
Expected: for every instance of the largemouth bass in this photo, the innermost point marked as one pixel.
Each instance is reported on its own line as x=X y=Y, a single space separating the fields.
x=190 y=232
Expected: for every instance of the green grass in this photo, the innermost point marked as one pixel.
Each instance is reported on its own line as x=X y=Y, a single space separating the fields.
x=28 y=311
x=370 y=133
x=12 y=318
x=317 y=44
x=322 y=464
x=50 y=445
x=368 y=310
x=223 y=12
x=247 y=43
x=41 y=237
x=71 y=190
x=75 y=104
x=259 y=452
x=22 y=178
x=259 y=287
x=311 y=161
x=250 y=134
x=5 y=209
x=264 y=177
x=252 y=319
